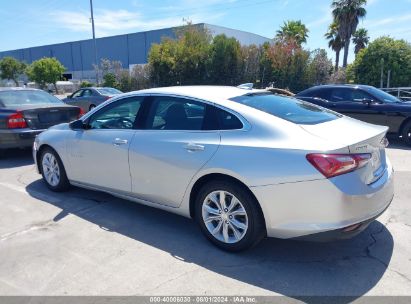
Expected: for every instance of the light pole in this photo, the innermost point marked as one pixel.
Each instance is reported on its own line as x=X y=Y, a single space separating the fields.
x=94 y=40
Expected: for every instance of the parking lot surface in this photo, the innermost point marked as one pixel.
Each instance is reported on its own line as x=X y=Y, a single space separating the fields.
x=90 y=243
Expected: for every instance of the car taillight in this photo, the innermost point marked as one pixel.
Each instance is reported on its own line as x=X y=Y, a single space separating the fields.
x=80 y=113
x=16 y=121
x=336 y=164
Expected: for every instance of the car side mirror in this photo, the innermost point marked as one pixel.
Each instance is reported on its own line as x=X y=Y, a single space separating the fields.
x=78 y=125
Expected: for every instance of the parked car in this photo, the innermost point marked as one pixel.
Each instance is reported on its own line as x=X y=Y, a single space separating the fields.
x=244 y=163
x=89 y=98
x=24 y=113
x=365 y=103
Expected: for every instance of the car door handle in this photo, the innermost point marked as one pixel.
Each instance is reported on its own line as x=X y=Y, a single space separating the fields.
x=119 y=142
x=191 y=147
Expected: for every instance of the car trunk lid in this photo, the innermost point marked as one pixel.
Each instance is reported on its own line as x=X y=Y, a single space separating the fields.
x=38 y=118
x=358 y=137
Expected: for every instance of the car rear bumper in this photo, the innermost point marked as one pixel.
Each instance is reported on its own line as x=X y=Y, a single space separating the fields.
x=295 y=210
x=340 y=234
x=17 y=138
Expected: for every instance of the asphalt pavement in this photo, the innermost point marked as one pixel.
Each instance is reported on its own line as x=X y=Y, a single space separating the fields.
x=89 y=243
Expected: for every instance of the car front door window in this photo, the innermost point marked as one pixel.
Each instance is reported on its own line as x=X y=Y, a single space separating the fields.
x=77 y=94
x=121 y=115
x=360 y=96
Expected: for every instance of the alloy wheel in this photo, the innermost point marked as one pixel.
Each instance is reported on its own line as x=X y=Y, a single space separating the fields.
x=224 y=216
x=51 y=169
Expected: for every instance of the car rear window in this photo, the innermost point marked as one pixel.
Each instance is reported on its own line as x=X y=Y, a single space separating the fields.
x=26 y=97
x=290 y=109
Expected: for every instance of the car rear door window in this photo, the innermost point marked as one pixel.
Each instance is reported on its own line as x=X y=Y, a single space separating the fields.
x=87 y=93
x=340 y=95
x=316 y=93
x=348 y=95
x=228 y=121
x=323 y=93
x=172 y=113
x=119 y=115
x=290 y=109
x=219 y=119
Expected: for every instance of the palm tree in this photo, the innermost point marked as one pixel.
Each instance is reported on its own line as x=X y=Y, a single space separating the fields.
x=347 y=13
x=295 y=30
x=360 y=39
x=334 y=42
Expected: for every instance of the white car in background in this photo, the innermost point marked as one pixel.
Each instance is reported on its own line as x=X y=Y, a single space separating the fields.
x=244 y=163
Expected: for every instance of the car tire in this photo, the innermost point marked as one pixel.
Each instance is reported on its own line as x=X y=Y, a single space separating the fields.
x=236 y=227
x=91 y=107
x=406 y=133
x=52 y=170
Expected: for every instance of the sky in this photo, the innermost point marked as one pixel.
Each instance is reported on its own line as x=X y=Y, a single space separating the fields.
x=27 y=23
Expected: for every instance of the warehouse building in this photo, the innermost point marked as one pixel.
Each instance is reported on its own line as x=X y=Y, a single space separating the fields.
x=129 y=49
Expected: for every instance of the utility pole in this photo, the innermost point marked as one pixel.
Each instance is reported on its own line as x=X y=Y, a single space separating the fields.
x=382 y=74
x=94 y=41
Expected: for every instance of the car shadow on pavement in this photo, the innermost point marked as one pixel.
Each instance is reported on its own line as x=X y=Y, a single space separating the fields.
x=398 y=144
x=13 y=158
x=297 y=269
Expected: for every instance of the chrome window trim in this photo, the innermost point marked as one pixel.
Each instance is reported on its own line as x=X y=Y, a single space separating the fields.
x=246 y=124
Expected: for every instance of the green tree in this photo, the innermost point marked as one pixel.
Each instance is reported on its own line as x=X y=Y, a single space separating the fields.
x=110 y=80
x=45 y=71
x=334 y=42
x=225 y=60
x=162 y=60
x=140 y=77
x=192 y=54
x=182 y=60
x=360 y=39
x=295 y=30
x=347 y=14
x=250 y=58
x=289 y=64
x=266 y=65
x=320 y=67
x=11 y=68
x=396 y=55
x=339 y=77
x=85 y=84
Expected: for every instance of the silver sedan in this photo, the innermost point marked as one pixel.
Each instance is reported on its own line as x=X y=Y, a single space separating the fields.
x=88 y=98
x=243 y=163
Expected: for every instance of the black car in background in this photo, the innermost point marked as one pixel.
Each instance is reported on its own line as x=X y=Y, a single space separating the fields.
x=24 y=113
x=365 y=103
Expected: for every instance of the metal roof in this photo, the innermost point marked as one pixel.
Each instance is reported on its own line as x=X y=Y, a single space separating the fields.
x=129 y=49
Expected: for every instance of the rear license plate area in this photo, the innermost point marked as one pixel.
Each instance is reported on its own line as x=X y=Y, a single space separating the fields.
x=51 y=117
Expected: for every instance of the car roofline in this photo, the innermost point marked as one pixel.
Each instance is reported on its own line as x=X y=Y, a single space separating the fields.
x=10 y=89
